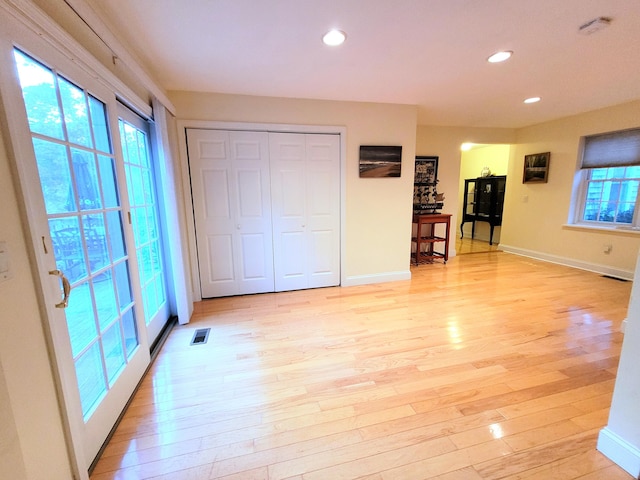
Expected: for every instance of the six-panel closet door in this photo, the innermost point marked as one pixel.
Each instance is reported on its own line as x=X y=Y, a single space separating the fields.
x=267 y=210
x=305 y=207
x=232 y=210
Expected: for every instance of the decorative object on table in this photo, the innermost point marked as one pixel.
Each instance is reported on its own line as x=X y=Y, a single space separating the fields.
x=380 y=161
x=536 y=168
x=426 y=198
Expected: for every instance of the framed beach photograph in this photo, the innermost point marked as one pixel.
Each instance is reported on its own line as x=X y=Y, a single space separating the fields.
x=380 y=161
x=536 y=168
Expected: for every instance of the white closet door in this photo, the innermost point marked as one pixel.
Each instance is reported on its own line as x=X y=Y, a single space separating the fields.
x=232 y=209
x=305 y=186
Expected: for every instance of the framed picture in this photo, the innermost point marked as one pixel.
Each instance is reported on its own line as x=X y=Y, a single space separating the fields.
x=536 y=168
x=426 y=170
x=426 y=198
x=380 y=161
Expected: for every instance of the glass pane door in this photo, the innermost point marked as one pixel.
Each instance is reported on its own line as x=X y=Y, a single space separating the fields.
x=78 y=178
x=138 y=162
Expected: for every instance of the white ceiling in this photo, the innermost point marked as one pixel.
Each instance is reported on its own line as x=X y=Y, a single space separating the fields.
x=430 y=53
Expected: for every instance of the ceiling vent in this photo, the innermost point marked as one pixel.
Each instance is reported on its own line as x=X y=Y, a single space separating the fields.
x=594 y=25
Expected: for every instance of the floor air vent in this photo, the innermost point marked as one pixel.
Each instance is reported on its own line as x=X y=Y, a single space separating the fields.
x=201 y=336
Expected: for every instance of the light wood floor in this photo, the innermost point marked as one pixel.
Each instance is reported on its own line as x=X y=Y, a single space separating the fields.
x=470 y=245
x=493 y=366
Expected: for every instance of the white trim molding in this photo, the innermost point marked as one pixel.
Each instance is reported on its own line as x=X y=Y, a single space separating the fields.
x=621 y=452
x=570 y=262
x=354 y=280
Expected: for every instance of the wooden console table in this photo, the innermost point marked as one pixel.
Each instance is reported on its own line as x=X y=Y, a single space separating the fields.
x=427 y=238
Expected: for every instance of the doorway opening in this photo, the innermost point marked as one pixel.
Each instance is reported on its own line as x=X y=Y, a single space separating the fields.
x=480 y=161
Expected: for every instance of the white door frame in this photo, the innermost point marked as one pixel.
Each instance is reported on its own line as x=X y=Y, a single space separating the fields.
x=182 y=125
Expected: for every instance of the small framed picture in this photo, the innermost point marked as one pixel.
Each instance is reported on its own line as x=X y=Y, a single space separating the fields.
x=380 y=161
x=536 y=168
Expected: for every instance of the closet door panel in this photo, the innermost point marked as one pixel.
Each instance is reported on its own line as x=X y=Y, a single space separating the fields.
x=288 y=206
x=323 y=209
x=220 y=248
x=232 y=209
x=305 y=179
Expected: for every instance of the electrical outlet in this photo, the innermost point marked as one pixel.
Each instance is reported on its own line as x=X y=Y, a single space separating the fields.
x=607 y=247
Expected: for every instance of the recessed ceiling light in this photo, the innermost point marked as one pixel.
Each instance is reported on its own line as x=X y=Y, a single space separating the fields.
x=333 y=38
x=465 y=147
x=500 y=56
x=532 y=100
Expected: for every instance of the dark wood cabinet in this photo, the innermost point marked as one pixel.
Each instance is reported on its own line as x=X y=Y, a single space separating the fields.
x=483 y=202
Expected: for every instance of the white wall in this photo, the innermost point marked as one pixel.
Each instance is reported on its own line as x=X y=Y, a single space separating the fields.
x=536 y=215
x=11 y=461
x=32 y=400
x=378 y=210
x=620 y=439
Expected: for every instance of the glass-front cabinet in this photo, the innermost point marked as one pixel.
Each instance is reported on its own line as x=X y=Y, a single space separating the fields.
x=483 y=202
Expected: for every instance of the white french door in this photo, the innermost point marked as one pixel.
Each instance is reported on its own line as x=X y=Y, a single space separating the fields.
x=145 y=219
x=100 y=349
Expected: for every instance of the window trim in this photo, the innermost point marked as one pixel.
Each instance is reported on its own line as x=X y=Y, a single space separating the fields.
x=581 y=183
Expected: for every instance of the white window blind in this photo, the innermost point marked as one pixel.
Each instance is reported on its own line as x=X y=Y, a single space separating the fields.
x=614 y=149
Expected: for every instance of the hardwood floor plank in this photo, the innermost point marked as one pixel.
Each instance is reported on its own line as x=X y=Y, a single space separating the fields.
x=196 y=473
x=430 y=468
x=542 y=435
x=458 y=373
x=255 y=474
x=567 y=468
x=266 y=453
x=468 y=473
x=527 y=459
x=612 y=472
x=519 y=396
x=557 y=399
x=509 y=429
x=346 y=464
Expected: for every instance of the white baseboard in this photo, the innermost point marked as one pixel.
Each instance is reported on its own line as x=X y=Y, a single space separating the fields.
x=376 y=278
x=622 y=453
x=570 y=262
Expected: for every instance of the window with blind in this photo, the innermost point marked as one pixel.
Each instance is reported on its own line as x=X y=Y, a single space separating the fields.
x=610 y=179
